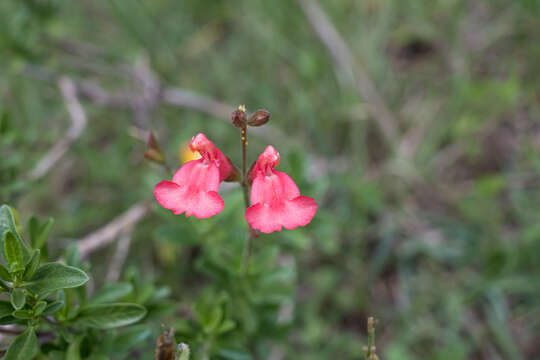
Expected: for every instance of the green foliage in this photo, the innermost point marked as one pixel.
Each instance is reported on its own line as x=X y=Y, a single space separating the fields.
x=109 y=315
x=14 y=254
x=8 y=229
x=18 y=298
x=48 y=296
x=54 y=276
x=38 y=232
x=24 y=347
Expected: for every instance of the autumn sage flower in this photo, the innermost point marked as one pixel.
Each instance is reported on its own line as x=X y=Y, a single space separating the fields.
x=193 y=189
x=275 y=198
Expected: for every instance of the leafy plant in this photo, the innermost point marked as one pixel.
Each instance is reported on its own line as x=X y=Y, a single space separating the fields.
x=47 y=304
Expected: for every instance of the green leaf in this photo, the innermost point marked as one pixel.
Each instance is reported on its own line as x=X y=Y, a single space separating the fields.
x=72 y=256
x=23 y=314
x=226 y=326
x=130 y=338
x=7 y=224
x=55 y=276
x=13 y=251
x=4 y=286
x=33 y=229
x=39 y=232
x=24 y=347
x=5 y=308
x=7 y=320
x=108 y=316
x=74 y=349
x=111 y=293
x=53 y=308
x=209 y=315
x=4 y=274
x=234 y=354
x=18 y=299
x=39 y=307
x=32 y=265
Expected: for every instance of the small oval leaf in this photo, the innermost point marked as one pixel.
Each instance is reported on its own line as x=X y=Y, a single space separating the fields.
x=23 y=314
x=39 y=307
x=13 y=251
x=39 y=232
x=52 y=308
x=18 y=299
x=32 y=265
x=55 y=276
x=7 y=224
x=24 y=347
x=108 y=316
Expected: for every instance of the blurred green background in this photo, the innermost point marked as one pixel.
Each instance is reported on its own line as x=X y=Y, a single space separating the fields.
x=418 y=136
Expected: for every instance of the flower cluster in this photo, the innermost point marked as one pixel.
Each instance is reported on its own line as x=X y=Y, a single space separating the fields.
x=275 y=199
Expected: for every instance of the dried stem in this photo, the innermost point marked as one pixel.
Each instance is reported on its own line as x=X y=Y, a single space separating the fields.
x=119 y=257
x=78 y=123
x=351 y=73
x=110 y=232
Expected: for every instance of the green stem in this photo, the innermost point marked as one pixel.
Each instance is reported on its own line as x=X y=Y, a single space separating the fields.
x=370 y=351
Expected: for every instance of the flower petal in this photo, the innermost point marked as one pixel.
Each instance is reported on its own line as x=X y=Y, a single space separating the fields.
x=198 y=175
x=169 y=194
x=298 y=212
x=289 y=214
x=274 y=188
x=193 y=190
x=204 y=204
x=263 y=218
x=201 y=204
x=209 y=151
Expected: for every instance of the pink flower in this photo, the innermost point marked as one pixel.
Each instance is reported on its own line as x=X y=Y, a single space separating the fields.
x=275 y=198
x=194 y=186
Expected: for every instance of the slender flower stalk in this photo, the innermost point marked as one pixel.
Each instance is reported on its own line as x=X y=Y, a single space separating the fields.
x=239 y=120
x=370 y=349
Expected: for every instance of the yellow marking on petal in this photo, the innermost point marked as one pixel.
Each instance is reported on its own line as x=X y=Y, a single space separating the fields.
x=185 y=154
x=242 y=108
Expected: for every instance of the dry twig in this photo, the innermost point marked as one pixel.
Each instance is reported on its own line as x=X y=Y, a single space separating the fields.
x=120 y=256
x=350 y=73
x=110 y=232
x=152 y=90
x=78 y=123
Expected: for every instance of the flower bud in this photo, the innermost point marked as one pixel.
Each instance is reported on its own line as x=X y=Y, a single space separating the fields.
x=153 y=152
x=183 y=351
x=166 y=345
x=238 y=117
x=259 y=118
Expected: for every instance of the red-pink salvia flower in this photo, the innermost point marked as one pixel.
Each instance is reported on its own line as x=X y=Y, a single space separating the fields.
x=275 y=198
x=194 y=186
